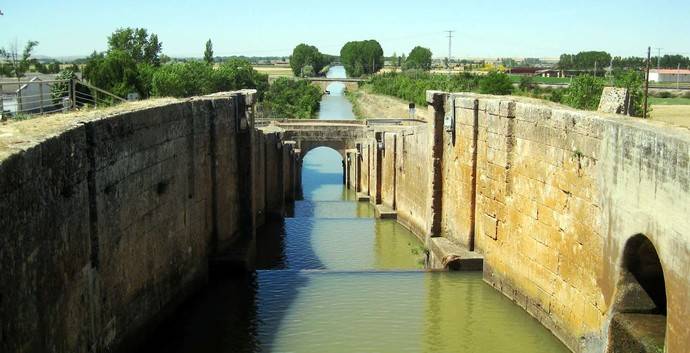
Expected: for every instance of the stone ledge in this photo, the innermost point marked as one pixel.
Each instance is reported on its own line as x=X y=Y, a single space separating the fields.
x=444 y=254
x=638 y=333
x=385 y=212
x=362 y=197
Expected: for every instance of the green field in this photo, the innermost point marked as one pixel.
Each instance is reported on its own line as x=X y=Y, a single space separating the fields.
x=545 y=80
x=669 y=101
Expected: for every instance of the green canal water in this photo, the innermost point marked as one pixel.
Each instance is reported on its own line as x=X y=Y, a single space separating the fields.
x=334 y=279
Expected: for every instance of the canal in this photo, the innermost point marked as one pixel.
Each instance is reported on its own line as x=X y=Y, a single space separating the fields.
x=334 y=279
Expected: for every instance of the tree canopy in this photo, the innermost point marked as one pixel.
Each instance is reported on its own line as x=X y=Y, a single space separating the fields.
x=362 y=57
x=419 y=58
x=136 y=42
x=585 y=60
x=307 y=55
x=295 y=99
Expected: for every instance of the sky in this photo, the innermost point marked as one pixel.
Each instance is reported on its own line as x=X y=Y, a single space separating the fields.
x=483 y=29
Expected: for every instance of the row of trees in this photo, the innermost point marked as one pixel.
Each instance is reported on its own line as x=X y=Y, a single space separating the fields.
x=132 y=63
x=587 y=60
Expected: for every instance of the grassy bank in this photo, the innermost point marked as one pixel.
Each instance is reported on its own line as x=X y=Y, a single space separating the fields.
x=669 y=101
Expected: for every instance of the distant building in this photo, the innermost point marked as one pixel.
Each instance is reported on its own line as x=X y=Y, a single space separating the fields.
x=669 y=75
x=527 y=71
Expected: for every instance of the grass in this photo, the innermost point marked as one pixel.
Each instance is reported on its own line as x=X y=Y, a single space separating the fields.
x=669 y=101
x=354 y=97
x=539 y=79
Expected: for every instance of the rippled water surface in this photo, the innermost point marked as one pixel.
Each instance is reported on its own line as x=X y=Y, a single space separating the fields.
x=334 y=279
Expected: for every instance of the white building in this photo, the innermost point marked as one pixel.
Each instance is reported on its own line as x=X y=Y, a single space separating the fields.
x=669 y=75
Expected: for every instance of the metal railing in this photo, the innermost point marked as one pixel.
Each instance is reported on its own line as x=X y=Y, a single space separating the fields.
x=20 y=99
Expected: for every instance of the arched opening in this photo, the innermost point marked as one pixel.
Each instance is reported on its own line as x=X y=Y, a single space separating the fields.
x=322 y=174
x=642 y=261
x=638 y=323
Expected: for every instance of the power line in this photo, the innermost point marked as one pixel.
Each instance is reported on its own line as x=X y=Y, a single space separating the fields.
x=450 y=47
x=658 y=58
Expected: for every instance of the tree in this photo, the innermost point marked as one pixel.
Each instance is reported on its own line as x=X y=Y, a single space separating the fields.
x=61 y=89
x=116 y=72
x=287 y=98
x=136 y=42
x=187 y=79
x=419 y=58
x=54 y=67
x=17 y=64
x=362 y=57
x=306 y=55
x=496 y=83
x=584 y=92
x=237 y=74
x=208 y=53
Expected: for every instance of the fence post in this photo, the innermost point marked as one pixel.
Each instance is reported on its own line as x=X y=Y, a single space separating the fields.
x=40 y=90
x=73 y=96
x=2 y=101
x=95 y=99
x=19 y=99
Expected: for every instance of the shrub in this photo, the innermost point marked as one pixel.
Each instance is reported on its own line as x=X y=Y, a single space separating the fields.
x=632 y=81
x=527 y=83
x=686 y=94
x=291 y=99
x=182 y=79
x=496 y=83
x=664 y=94
x=584 y=92
x=237 y=74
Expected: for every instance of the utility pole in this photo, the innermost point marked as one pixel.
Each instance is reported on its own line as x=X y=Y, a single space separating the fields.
x=450 y=46
x=595 y=68
x=658 y=58
x=646 y=83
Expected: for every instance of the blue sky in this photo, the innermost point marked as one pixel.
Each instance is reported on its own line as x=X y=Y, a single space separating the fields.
x=500 y=28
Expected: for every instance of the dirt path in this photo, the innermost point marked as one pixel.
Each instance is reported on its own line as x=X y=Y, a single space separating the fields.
x=375 y=106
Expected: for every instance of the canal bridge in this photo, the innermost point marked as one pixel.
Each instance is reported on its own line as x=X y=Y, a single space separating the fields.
x=351 y=84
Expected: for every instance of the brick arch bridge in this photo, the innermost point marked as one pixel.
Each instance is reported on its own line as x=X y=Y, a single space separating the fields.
x=323 y=83
x=340 y=135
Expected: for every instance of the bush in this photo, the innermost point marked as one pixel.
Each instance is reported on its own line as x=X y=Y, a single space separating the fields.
x=584 y=92
x=496 y=83
x=413 y=84
x=195 y=78
x=685 y=94
x=527 y=83
x=237 y=74
x=187 y=79
x=664 y=94
x=291 y=99
x=61 y=89
x=632 y=81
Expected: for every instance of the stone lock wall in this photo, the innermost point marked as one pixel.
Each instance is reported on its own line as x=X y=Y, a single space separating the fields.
x=549 y=196
x=108 y=218
x=557 y=193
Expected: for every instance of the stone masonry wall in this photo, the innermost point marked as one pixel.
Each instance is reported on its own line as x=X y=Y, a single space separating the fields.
x=558 y=194
x=550 y=196
x=108 y=218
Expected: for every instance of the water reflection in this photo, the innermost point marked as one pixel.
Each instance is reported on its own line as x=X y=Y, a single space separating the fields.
x=325 y=284
x=336 y=106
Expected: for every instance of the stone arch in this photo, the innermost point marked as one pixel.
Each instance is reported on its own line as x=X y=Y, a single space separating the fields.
x=638 y=320
x=338 y=146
